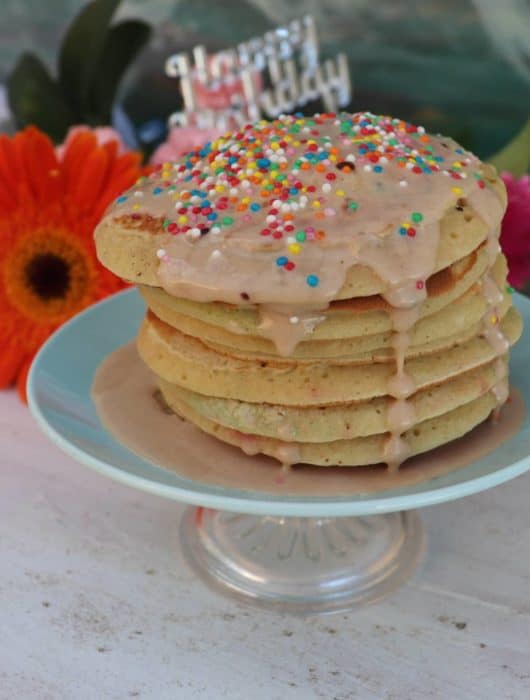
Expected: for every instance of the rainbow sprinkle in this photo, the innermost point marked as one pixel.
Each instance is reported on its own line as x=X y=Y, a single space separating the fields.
x=266 y=173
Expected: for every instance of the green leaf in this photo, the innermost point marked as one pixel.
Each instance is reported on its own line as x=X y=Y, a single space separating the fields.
x=34 y=98
x=515 y=157
x=81 y=51
x=122 y=44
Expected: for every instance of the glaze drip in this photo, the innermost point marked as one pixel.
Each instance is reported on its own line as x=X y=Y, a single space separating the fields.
x=492 y=331
x=401 y=415
x=287 y=326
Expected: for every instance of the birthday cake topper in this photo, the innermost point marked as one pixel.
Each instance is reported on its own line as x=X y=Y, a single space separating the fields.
x=263 y=77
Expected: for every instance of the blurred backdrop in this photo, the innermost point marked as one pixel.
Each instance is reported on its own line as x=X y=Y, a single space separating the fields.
x=458 y=66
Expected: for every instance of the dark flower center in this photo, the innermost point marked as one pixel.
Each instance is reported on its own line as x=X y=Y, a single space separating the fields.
x=48 y=276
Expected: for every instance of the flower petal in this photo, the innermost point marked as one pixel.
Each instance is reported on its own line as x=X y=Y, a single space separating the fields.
x=39 y=162
x=10 y=363
x=10 y=172
x=91 y=180
x=22 y=380
x=74 y=157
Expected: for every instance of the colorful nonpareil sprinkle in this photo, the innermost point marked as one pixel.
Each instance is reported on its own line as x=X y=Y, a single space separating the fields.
x=278 y=176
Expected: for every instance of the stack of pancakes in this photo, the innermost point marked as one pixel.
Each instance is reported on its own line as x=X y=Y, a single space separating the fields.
x=327 y=291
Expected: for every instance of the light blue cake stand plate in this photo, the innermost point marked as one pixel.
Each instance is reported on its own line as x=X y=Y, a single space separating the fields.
x=309 y=554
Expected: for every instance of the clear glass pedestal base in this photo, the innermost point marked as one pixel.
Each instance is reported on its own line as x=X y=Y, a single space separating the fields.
x=304 y=565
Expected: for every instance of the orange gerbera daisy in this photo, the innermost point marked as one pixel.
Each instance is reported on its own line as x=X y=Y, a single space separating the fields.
x=48 y=212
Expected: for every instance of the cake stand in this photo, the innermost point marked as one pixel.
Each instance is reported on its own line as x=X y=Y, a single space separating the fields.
x=305 y=554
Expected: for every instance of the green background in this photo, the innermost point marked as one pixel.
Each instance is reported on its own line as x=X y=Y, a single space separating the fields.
x=458 y=66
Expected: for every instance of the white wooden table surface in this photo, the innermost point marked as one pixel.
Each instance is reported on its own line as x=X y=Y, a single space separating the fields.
x=96 y=601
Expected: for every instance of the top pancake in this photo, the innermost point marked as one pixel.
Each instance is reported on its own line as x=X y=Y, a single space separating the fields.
x=301 y=211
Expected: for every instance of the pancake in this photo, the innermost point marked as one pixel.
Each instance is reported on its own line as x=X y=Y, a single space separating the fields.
x=427 y=335
x=356 y=332
x=357 y=452
x=343 y=318
x=186 y=361
x=324 y=289
x=140 y=236
x=335 y=421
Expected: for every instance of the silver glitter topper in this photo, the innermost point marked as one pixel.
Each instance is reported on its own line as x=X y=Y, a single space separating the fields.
x=265 y=76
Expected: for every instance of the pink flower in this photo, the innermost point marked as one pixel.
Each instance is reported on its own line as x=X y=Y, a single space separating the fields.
x=515 y=234
x=182 y=140
x=103 y=134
